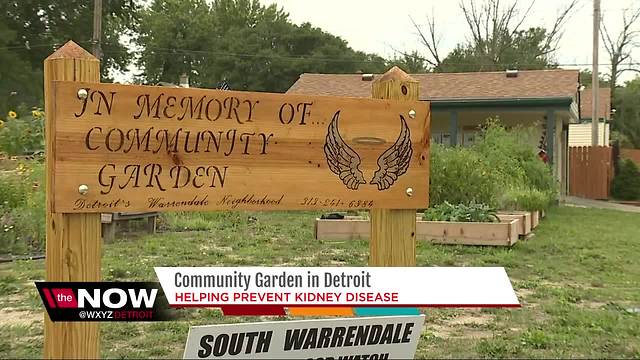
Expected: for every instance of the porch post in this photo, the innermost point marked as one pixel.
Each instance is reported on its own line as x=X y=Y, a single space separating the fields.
x=453 y=128
x=551 y=134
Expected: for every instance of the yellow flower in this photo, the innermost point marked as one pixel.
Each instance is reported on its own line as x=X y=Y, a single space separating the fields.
x=1 y=123
x=36 y=113
x=12 y=114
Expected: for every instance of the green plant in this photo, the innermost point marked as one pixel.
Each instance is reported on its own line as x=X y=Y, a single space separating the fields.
x=472 y=212
x=200 y=220
x=526 y=199
x=500 y=159
x=460 y=175
x=22 y=209
x=626 y=184
x=22 y=134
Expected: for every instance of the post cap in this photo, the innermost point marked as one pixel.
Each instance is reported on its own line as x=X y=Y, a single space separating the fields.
x=71 y=50
x=395 y=73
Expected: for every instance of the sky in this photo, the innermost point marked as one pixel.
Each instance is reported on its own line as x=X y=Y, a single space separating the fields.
x=384 y=27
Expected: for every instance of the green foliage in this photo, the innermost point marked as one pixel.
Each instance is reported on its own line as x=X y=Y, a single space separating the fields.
x=252 y=46
x=529 y=181
x=460 y=175
x=535 y=339
x=501 y=170
x=586 y=77
x=411 y=63
x=626 y=185
x=22 y=134
x=40 y=25
x=461 y=213
x=621 y=139
x=18 y=82
x=526 y=199
x=523 y=50
x=627 y=117
x=22 y=209
x=30 y=30
x=200 y=221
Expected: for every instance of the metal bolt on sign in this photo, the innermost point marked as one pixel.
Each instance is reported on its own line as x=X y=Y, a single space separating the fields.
x=82 y=93
x=83 y=189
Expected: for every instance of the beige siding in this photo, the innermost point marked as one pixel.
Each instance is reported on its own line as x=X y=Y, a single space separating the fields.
x=580 y=134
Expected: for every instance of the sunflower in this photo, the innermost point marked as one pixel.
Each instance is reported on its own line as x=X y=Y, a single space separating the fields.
x=1 y=124
x=36 y=113
x=12 y=114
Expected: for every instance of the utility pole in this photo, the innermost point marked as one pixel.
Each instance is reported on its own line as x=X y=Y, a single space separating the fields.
x=97 y=29
x=595 y=82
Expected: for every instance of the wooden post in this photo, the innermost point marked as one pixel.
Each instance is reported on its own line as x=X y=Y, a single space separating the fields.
x=73 y=240
x=393 y=232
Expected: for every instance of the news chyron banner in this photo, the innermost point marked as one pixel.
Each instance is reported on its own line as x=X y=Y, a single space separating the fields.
x=371 y=338
x=287 y=287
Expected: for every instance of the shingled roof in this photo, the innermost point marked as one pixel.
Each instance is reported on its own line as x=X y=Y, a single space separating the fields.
x=604 y=103
x=528 y=84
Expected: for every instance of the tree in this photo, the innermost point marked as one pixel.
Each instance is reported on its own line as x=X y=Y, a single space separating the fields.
x=619 y=47
x=18 y=83
x=253 y=47
x=43 y=25
x=627 y=116
x=409 y=62
x=525 y=52
x=586 y=78
x=30 y=30
x=497 y=39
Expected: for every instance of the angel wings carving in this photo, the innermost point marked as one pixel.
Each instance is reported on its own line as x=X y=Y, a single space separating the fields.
x=344 y=161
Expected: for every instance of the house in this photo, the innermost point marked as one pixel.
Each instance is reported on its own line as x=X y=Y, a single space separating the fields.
x=580 y=134
x=547 y=100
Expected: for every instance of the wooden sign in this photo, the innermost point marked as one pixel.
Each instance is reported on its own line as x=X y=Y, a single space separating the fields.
x=142 y=148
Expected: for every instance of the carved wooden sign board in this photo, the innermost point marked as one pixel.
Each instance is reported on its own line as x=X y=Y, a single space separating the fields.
x=144 y=148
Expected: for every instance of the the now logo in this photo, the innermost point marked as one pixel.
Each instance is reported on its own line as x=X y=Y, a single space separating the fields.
x=116 y=298
x=88 y=301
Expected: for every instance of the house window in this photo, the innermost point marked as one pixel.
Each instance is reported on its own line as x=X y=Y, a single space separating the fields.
x=469 y=134
x=441 y=138
x=468 y=138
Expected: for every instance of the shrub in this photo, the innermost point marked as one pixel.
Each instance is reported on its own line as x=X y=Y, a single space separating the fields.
x=626 y=185
x=460 y=175
x=501 y=159
x=22 y=209
x=22 y=134
x=513 y=154
x=462 y=213
x=526 y=199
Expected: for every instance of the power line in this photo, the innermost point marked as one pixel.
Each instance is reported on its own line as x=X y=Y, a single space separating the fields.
x=173 y=51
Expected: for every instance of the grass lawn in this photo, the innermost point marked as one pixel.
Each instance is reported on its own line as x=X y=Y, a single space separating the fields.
x=577 y=280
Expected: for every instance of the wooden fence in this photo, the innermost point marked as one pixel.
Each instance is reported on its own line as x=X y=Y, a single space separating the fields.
x=590 y=171
x=633 y=154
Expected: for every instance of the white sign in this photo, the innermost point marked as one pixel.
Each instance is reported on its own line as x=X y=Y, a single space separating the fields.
x=371 y=338
x=338 y=286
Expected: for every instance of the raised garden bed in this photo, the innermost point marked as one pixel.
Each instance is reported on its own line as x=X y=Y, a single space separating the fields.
x=525 y=220
x=504 y=233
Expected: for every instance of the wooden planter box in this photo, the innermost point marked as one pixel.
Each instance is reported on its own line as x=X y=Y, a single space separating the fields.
x=525 y=221
x=534 y=215
x=464 y=233
x=351 y=228
x=535 y=218
x=439 y=232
